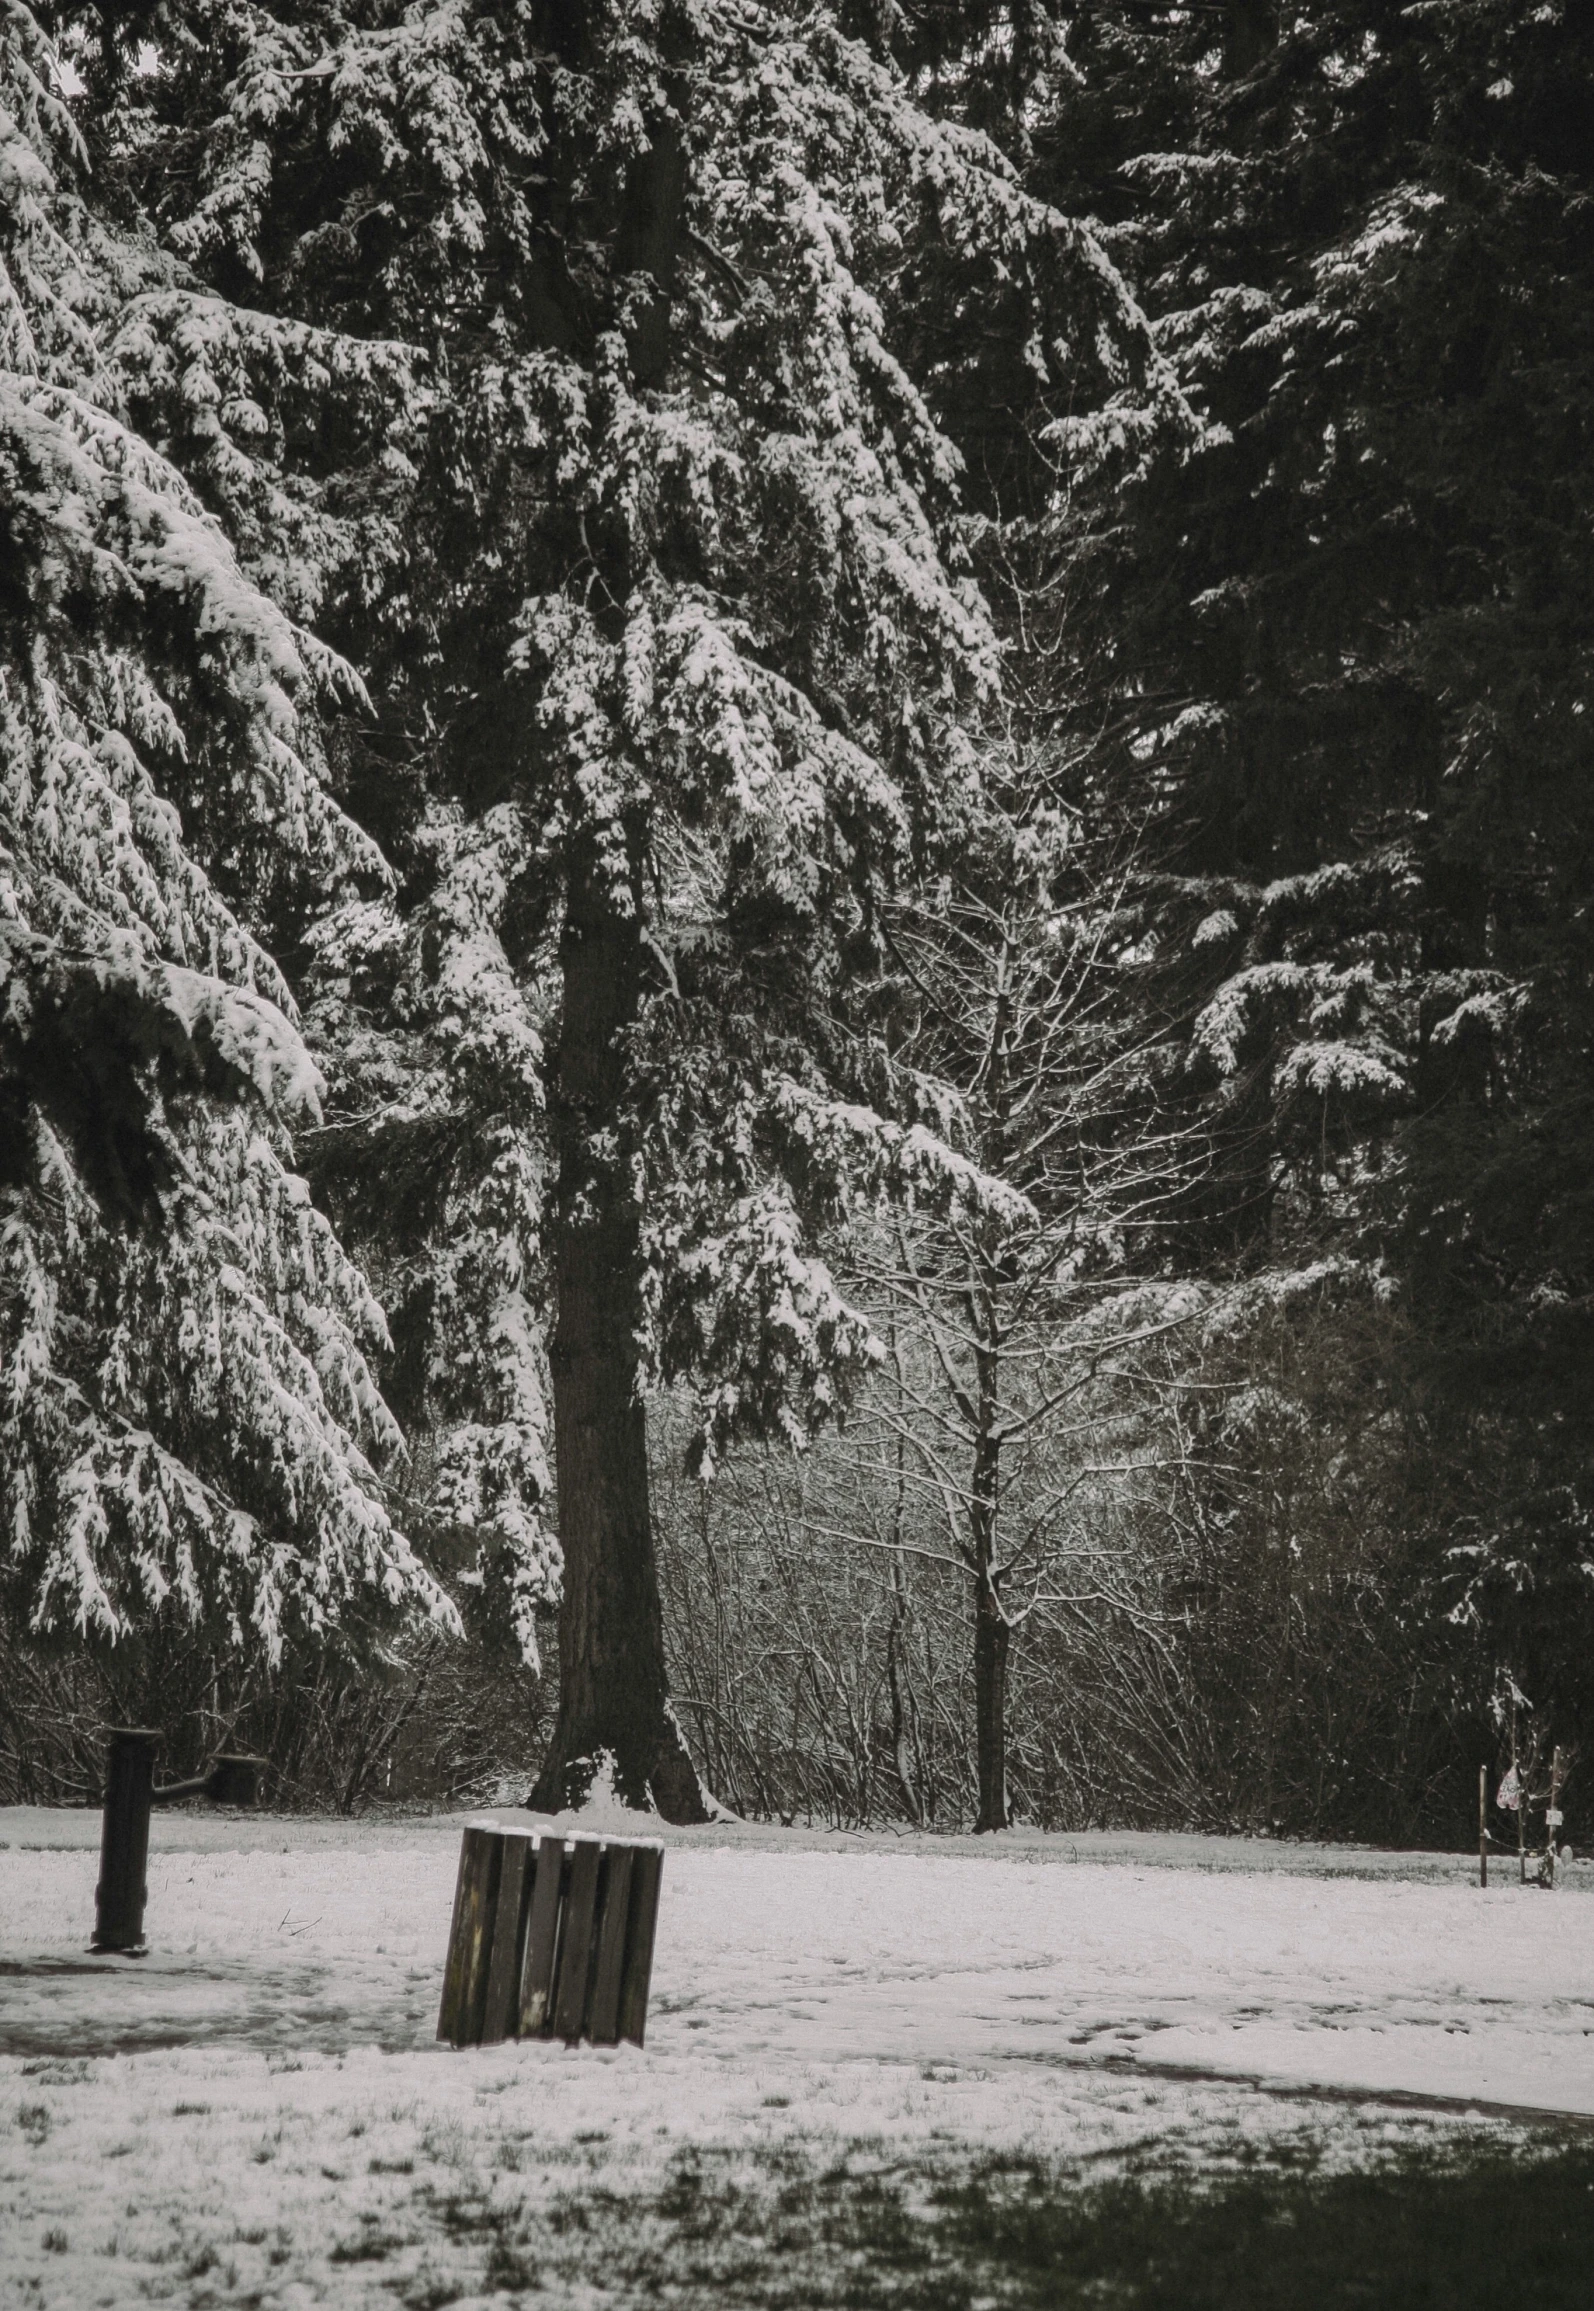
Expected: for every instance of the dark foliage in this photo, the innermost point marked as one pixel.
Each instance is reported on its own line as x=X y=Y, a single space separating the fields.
x=1332 y=676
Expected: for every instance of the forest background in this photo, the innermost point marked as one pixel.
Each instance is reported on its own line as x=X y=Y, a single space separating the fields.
x=875 y=717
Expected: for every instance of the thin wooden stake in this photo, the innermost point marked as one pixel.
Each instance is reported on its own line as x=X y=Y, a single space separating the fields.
x=1522 y=1802
x=1483 y=1825
x=1551 y=1819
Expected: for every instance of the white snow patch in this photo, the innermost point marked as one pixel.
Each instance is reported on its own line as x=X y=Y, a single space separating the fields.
x=267 y=2084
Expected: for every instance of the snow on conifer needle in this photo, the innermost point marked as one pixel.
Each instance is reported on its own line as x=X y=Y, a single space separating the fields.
x=189 y=1421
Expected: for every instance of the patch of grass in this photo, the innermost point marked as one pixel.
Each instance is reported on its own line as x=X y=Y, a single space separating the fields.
x=509 y=2269
x=1414 y=2233
x=1467 y=2227
x=374 y=2247
x=429 y=2292
x=466 y=2214
x=566 y=2215
x=444 y=2142
x=34 y=2120
x=1432 y=2221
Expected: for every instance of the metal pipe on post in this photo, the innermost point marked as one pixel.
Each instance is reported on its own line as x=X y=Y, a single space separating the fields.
x=233 y=1779
x=124 y=1841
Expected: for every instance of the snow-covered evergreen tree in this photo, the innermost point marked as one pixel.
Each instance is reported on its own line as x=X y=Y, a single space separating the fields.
x=1331 y=677
x=673 y=659
x=189 y=1422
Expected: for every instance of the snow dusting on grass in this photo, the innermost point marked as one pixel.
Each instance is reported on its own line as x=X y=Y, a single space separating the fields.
x=852 y=2043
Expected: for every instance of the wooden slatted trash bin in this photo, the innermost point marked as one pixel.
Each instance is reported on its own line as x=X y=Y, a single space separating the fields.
x=552 y=1937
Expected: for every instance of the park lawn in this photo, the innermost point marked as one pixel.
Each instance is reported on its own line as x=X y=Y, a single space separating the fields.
x=878 y=2071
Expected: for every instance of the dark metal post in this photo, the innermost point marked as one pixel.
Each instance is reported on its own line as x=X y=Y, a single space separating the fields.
x=124 y=1841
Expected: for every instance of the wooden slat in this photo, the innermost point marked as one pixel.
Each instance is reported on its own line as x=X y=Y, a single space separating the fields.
x=470 y=1941
x=451 y=1970
x=605 y=2023
x=575 y=1958
x=646 y=1871
x=500 y=2011
x=542 y=1940
x=478 y=1934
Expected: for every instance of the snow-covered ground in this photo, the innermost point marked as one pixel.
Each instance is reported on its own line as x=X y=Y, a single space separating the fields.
x=258 y=2108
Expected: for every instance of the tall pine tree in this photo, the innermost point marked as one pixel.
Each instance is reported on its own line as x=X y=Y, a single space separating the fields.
x=670 y=672
x=189 y=1422
x=1331 y=678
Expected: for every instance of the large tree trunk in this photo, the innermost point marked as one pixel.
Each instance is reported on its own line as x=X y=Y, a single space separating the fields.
x=612 y=1695
x=1250 y=32
x=612 y=1700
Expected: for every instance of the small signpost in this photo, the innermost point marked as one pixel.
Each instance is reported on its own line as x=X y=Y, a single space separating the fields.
x=1514 y=1795
x=130 y=1792
x=1552 y=1821
x=552 y=1937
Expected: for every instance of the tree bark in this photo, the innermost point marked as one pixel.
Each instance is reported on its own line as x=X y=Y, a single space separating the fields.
x=990 y=1707
x=612 y=1692
x=1250 y=32
x=649 y=243
x=612 y=1697
x=990 y=1641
